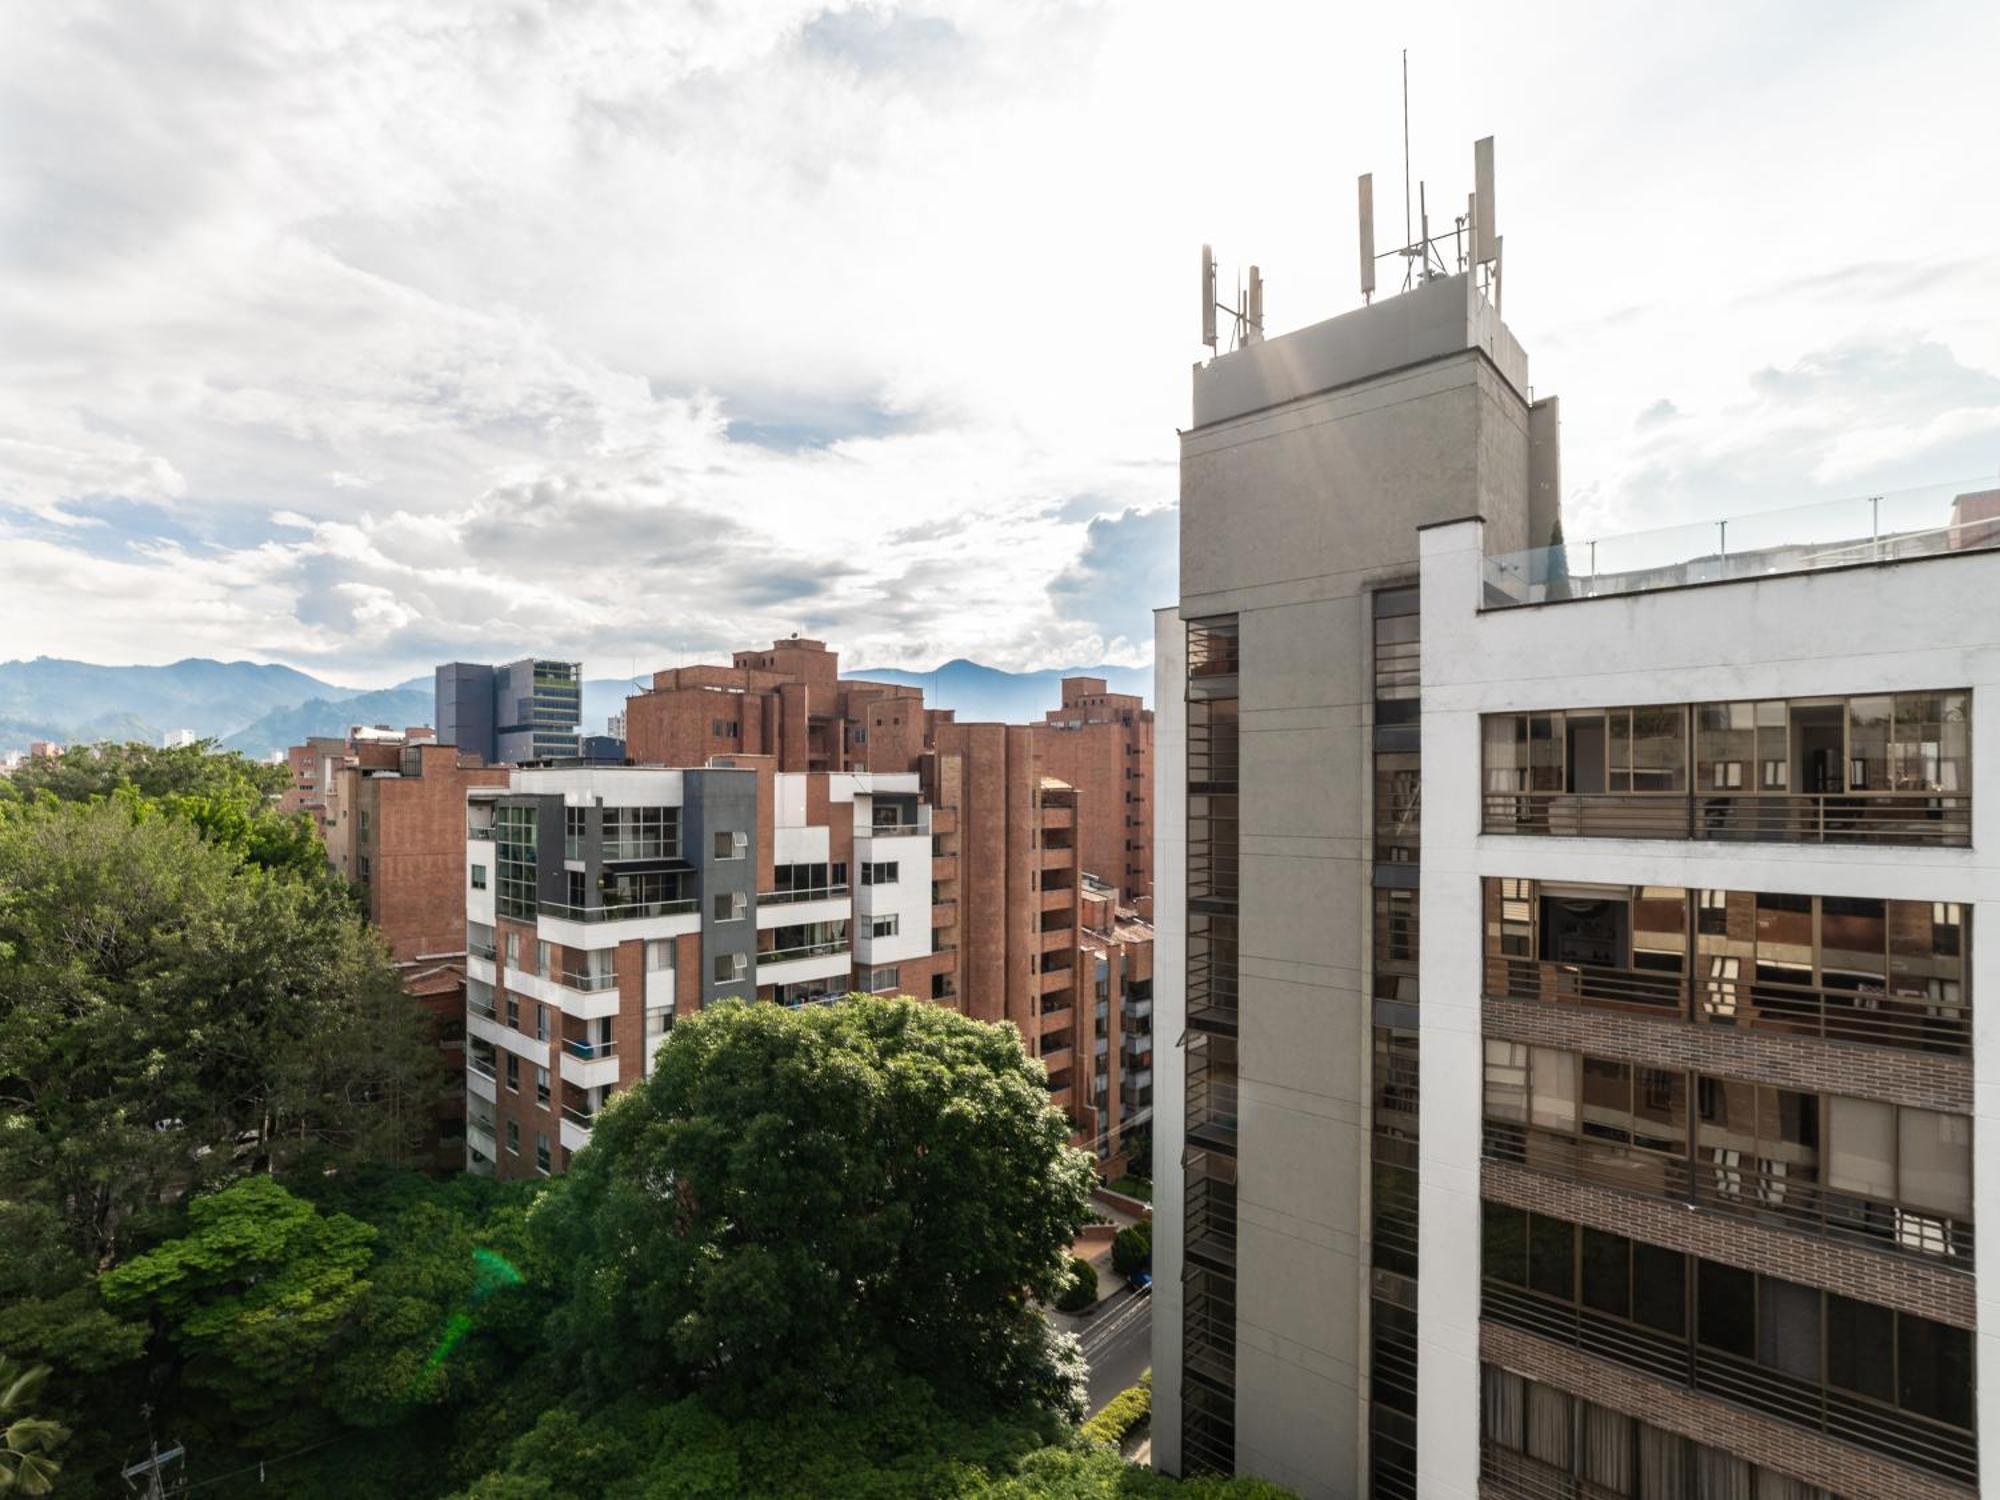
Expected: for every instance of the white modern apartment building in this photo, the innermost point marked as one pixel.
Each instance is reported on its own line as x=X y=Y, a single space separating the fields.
x=602 y=901
x=1663 y=1182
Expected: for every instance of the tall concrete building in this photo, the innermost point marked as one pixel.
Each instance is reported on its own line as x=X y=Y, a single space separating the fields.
x=1664 y=1184
x=527 y=710
x=1101 y=743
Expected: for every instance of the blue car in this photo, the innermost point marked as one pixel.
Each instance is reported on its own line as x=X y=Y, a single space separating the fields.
x=1139 y=1281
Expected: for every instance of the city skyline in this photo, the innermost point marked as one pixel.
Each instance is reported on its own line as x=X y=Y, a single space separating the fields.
x=357 y=342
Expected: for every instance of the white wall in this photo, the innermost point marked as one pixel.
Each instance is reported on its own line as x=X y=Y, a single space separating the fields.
x=1925 y=624
x=908 y=899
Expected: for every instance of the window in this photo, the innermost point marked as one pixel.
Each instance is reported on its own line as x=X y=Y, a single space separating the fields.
x=542 y=1152
x=877 y=981
x=730 y=845
x=542 y=1087
x=513 y=1138
x=659 y=955
x=364 y=825
x=728 y=968
x=513 y=1073
x=478 y=877
x=515 y=832
x=880 y=927
x=513 y=1010
x=731 y=906
x=365 y=875
x=642 y=833
x=883 y=872
x=541 y=1022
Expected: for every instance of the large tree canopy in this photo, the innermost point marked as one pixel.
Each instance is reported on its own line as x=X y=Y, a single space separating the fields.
x=800 y=1203
x=170 y=1015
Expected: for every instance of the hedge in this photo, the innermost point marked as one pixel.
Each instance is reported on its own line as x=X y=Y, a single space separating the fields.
x=1123 y=1414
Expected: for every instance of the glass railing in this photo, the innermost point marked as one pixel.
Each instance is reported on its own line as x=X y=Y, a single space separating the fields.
x=584 y=1117
x=588 y=984
x=481 y=831
x=804 y=950
x=803 y=893
x=623 y=913
x=589 y=1051
x=1926 y=522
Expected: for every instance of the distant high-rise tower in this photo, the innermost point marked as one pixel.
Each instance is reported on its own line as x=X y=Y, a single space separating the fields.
x=525 y=711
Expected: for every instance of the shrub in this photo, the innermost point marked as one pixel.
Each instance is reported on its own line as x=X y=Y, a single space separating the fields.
x=1124 y=1414
x=1082 y=1289
x=1132 y=1249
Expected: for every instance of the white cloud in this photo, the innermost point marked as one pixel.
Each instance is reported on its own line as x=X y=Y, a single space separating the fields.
x=617 y=329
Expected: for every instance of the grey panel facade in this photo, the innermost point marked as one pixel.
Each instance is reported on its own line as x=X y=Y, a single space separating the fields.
x=721 y=800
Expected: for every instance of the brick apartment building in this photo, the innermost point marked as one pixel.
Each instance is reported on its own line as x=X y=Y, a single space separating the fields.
x=1118 y=962
x=979 y=904
x=390 y=808
x=1101 y=743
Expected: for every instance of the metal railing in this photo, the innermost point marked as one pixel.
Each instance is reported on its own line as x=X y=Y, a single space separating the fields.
x=487 y=1008
x=584 y=1117
x=1741 y=1189
x=1900 y=1435
x=1920 y=817
x=483 y=1069
x=620 y=912
x=481 y=831
x=588 y=984
x=587 y=1050
x=1919 y=1023
x=807 y=950
x=809 y=893
x=1211 y=1113
x=487 y=951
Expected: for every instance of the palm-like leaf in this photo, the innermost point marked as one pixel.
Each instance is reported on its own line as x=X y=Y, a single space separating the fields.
x=25 y=1467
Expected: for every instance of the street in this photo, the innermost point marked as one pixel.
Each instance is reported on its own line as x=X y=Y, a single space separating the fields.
x=1118 y=1346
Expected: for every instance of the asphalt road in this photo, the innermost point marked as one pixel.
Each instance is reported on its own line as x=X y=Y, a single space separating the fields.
x=1118 y=1343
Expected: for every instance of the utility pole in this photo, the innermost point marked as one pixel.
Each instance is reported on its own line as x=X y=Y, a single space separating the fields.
x=154 y=1469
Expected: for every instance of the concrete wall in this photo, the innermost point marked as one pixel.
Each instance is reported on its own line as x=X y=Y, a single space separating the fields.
x=1290 y=516
x=1169 y=1025
x=1927 y=623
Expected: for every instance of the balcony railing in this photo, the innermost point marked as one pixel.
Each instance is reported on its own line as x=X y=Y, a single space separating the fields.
x=1743 y=1190
x=804 y=950
x=1900 y=1435
x=1894 y=527
x=625 y=912
x=1872 y=1017
x=482 y=950
x=480 y=831
x=588 y=984
x=576 y=1116
x=1926 y=818
x=483 y=1069
x=484 y=1008
x=1211 y=1221
x=587 y=1050
x=810 y=893
x=1211 y=1114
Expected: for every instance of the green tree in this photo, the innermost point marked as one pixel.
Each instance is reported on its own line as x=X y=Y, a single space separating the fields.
x=170 y=1016
x=230 y=798
x=26 y=1443
x=800 y=1203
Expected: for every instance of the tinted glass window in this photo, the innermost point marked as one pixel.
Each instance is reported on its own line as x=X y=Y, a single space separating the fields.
x=1934 y=1370
x=1858 y=1338
x=1504 y=1243
x=1659 y=1288
x=1607 y=1284
x=1551 y=1255
x=1726 y=1308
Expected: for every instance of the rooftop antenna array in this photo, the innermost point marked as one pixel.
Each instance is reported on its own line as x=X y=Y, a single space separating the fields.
x=1246 y=314
x=1474 y=243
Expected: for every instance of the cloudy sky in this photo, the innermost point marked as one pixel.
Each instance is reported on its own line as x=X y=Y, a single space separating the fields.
x=359 y=335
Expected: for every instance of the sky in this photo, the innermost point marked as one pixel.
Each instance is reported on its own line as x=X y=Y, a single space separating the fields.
x=361 y=335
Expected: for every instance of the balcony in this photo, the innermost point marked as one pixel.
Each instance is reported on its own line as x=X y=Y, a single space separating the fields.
x=1055 y=1018
x=1740 y=1189
x=1210 y=1205
x=1894 y=818
x=1056 y=1059
x=1211 y=1114
x=587 y=1064
x=1870 y=1017
x=1058 y=899
x=1058 y=817
x=812 y=893
x=1055 y=940
x=1688 y=1364
x=1055 y=981
x=628 y=912
x=1055 y=859
x=1926 y=522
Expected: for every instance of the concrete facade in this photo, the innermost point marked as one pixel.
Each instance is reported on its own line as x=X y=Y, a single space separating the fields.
x=1314 y=459
x=1921 y=625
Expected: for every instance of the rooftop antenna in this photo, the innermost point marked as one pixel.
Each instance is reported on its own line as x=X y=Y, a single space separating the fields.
x=1406 y=145
x=1366 y=192
x=1247 y=313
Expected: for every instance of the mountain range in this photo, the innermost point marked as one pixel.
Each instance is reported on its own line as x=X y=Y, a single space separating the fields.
x=258 y=708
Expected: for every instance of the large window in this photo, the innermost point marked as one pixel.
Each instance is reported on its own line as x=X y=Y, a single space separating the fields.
x=1890 y=1381
x=1888 y=768
x=1893 y=1177
x=1891 y=973
x=514 y=839
x=642 y=833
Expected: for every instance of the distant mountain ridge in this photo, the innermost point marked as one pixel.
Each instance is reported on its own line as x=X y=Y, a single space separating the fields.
x=979 y=693
x=258 y=708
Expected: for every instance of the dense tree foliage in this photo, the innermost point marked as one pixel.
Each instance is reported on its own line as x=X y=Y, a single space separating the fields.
x=822 y=1198
x=803 y=1257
